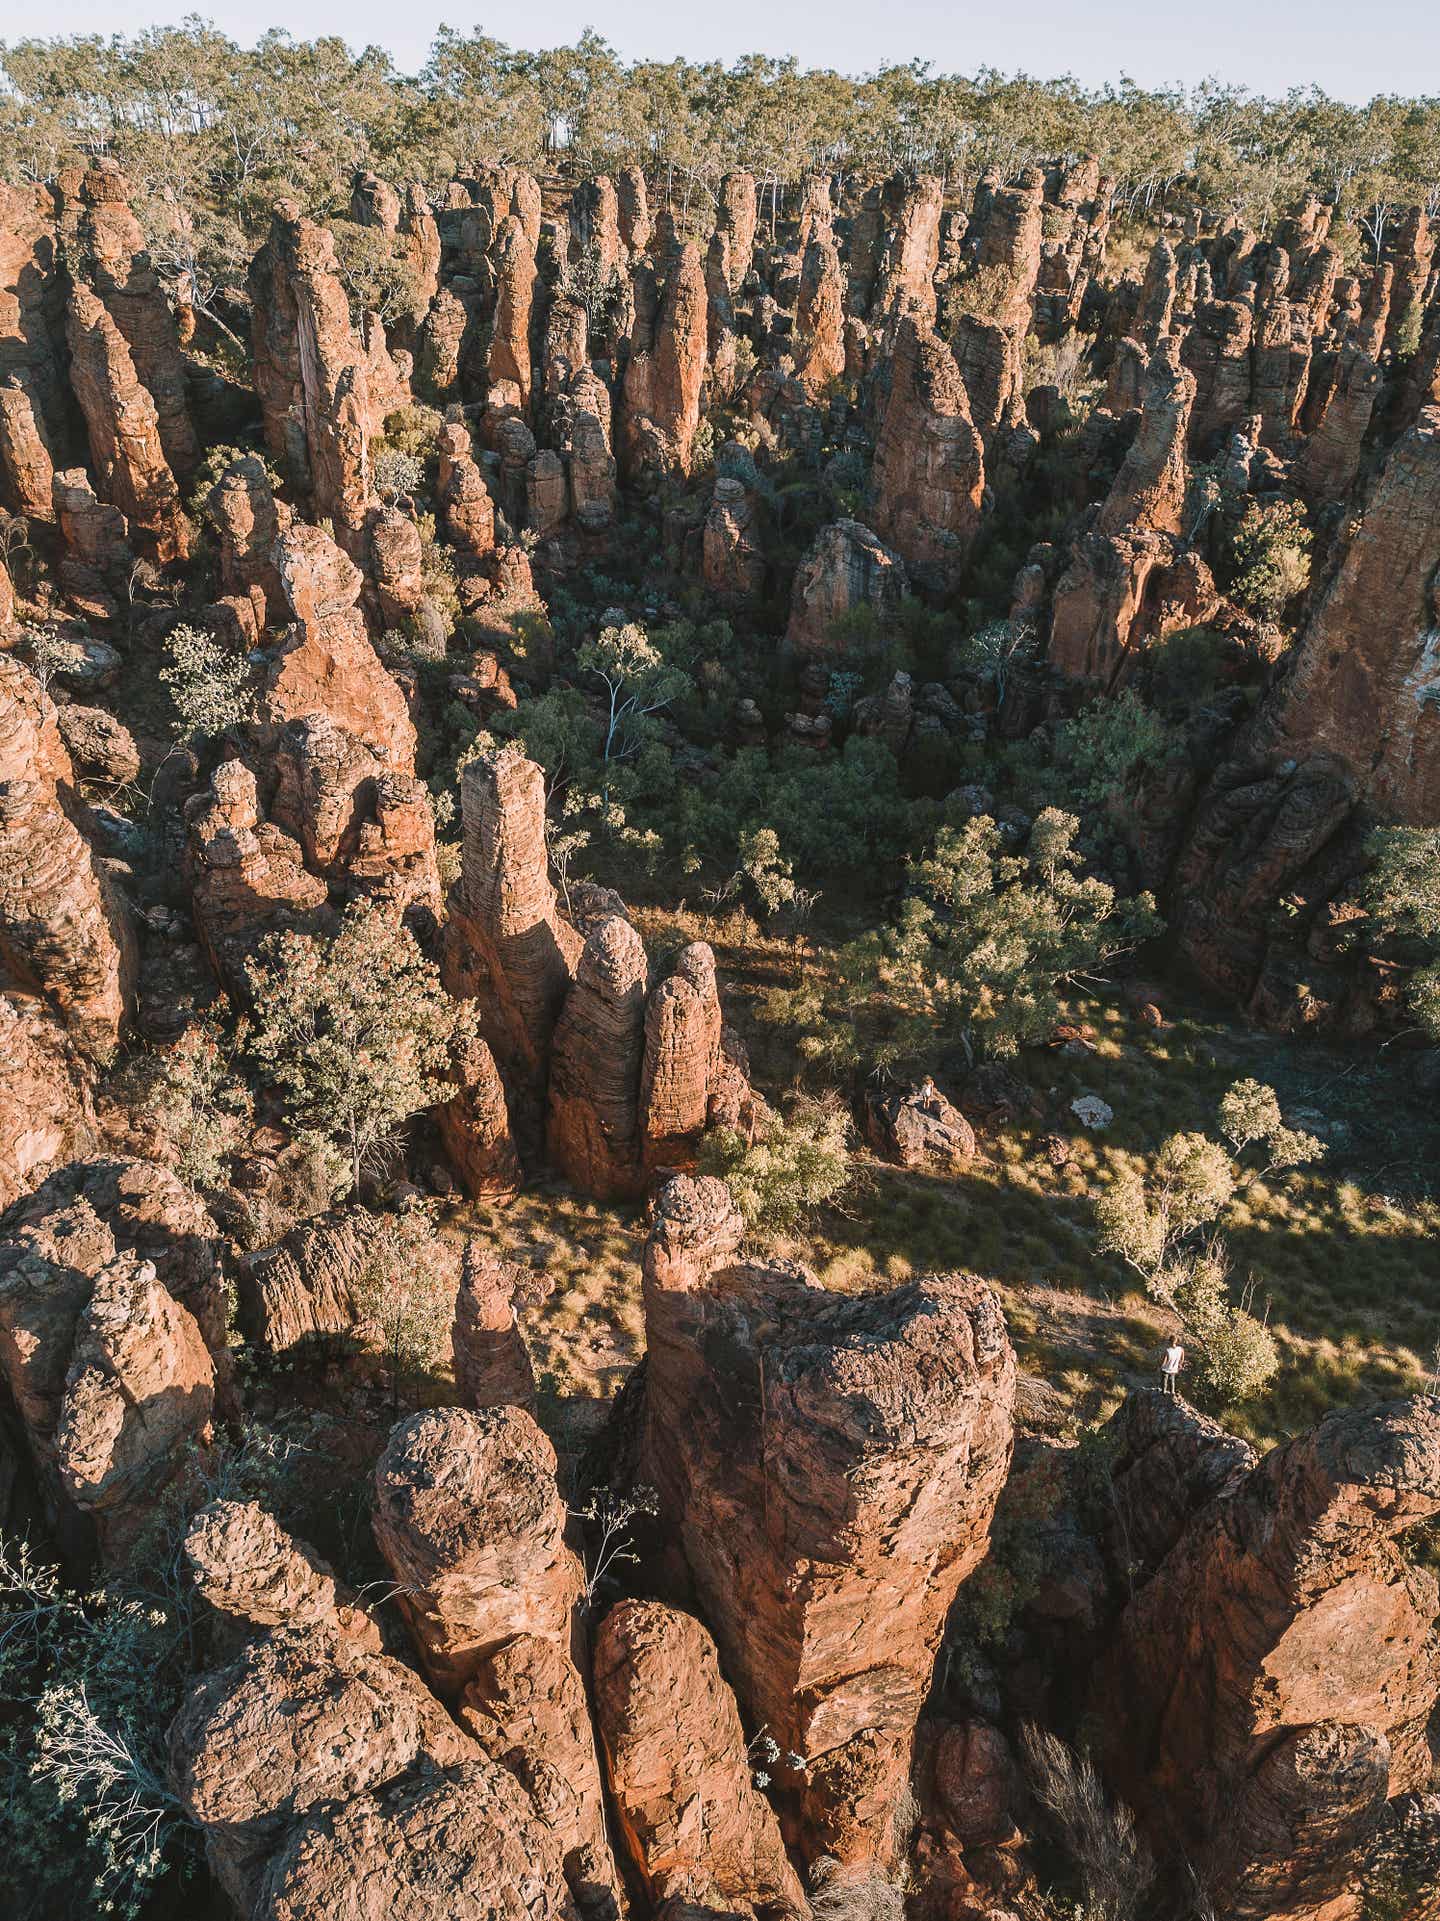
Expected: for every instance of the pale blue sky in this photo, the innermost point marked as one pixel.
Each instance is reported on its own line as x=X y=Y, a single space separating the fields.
x=1349 y=48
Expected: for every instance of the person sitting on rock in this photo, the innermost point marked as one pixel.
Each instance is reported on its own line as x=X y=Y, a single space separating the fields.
x=1171 y=1363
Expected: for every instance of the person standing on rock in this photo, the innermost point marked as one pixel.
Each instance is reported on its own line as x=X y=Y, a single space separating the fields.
x=1171 y=1363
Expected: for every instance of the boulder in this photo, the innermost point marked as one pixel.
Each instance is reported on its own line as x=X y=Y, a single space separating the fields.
x=805 y=1447
x=472 y=1526
x=679 y=1769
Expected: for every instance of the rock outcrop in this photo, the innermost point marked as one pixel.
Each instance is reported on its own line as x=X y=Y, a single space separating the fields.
x=918 y=1127
x=471 y=1524
x=124 y=430
x=374 y=1804
x=593 y=1128
x=661 y=406
x=695 y=1825
x=847 y=569
x=929 y=472
x=805 y=1447
x=1104 y=603
x=46 y=1111
x=247 y=878
x=311 y=372
x=683 y=1062
x=112 y=1320
x=506 y=944
x=1271 y=1684
x=253 y=1576
x=65 y=934
x=1356 y=722
x=326 y=663
x=492 y=1363
x=303 y=1288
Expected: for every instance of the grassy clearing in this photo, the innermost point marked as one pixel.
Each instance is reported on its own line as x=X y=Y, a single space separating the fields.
x=1346 y=1253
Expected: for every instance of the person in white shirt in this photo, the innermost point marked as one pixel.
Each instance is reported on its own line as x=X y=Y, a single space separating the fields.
x=1171 y=1363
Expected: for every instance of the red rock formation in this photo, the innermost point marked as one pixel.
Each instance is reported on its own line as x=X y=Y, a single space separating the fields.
x=31 y=387
x=303 y=1288
x=929 y=471
x=139 y=1394
x=254 y=1576
x=1329 y=461
x=471 y=1524
x=1409 y=250
x=465 y=499
x=1168 y=1463
x=661 y=406
x=591 y=471
x=396 y=566
x=492 y=1363
x=326 y=664
x=1010 y=250
x=830 y=1466
x=46 y=1115
x=1354 y=721
x=247 y=879
x=1271 y=1683
x=361 y=829
x=64 y=932
x=475 y=1124
x=682 y=1064
x=678 y=1765
x=911 y=249
x=820 y=318
x=506 y=945
x=26 y=463
x=1100 y=602
x=593 y=1129
x=547 y=494
x=847 y=568
x=735 y=218
x=311 y=372
x=633 y=209
x=595 y=226
x=527 y=1709
x=107 y=237
x=508 y=368
x=124 y=430
x=96 y=534
x=732 y=552
x=374 y=1797
x=919 y=1128
x=1216 y=351
x=112 y=1314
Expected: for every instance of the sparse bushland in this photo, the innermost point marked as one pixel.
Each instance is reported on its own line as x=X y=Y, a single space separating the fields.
x=209 y=687
x=1162 y=1221
x=985 y=939
x=797 y=1162
x=354 y=1030
x=1402 y=892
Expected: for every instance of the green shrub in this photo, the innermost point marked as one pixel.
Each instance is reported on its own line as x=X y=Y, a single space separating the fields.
x=795 y=1164
x=1270 y=557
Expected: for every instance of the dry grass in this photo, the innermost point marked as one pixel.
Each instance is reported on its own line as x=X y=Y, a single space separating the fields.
x=1346 y=1253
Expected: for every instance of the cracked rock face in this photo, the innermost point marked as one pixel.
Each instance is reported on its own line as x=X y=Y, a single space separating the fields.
x=679 y=1768
x=472 y=1526
x=831 y=1467
x=112 y=1340
x=328 y=1781
x=929 y=470
x=1271 y=1683
x=64 y=932
x=255 y=1576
